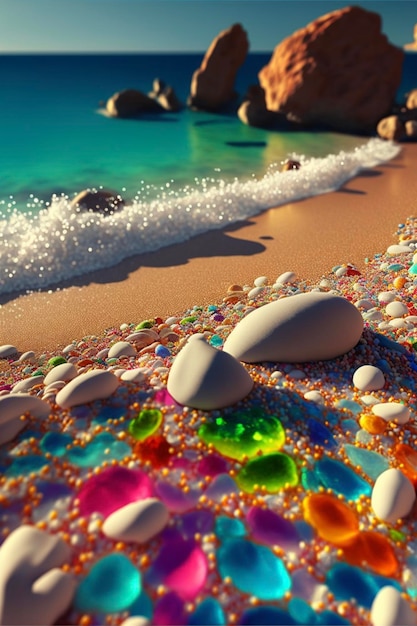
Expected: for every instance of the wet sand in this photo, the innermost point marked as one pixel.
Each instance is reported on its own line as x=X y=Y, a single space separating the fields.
x=308 y=237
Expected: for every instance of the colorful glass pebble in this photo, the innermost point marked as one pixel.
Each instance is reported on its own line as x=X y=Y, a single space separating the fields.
x=26 y=465
x=209 y=611
x=371 y=463
x=373 y=424
x=372 y=550
x=341 y=478
x=145 y=424
x=253 y=569
x=267 y=615
x=103 y=447
x=112 y=585
x=244 y=433
x=272 y=472
x=334 y=520
x=226 y=527
x=55 y=443
x=56 y=360
x=268 y=527
x=407 y=457
x=348 y=582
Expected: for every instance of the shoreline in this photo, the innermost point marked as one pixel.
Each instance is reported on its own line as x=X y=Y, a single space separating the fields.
x=199 y=271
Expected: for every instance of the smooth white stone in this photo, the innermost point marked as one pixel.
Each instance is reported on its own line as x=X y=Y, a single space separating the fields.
x=121 y=348
x=27 y=383
x=389 y=608
x=255 y=292
x=305 y=327
x=142 y=338
x=12 y=407
x=373 y=315
x=411 y=319
x=260 y=281
x=205 y=378
x=27 y=356
x=286 y=277
x=398 y=322
x=7 y=350
x=398 y=249
x=369 y=400
x=396 y=309
x=135 y=375
x=69 y=348
x=313 y=396
x=368 y=378
x=137 y=521
x=393 y=496
x=392 y=412
x=135 y=620
x=365 y=304
x=387 y=296
x=33 y=590
x=64 y=371
x=93 y=385
x=103 y=354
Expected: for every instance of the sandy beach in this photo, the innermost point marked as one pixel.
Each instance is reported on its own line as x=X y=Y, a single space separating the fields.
x=308 y=237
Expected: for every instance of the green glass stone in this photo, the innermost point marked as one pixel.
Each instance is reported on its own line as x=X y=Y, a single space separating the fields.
x=145 y=324
x=56 y=360
x=145 y=424
x=188 y=320
x=271 y=471
x=244 y=434
x=396 y=535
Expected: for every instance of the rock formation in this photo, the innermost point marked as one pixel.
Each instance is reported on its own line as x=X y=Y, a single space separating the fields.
x=165 y=96
x=100 y=201
x=212 y=85
x=339 y=72
x=131 y=103
x=253 y=111
x=401 y=124
x=412 y=46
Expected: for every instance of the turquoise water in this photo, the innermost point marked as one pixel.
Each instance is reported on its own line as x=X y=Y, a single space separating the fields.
x=180 y=173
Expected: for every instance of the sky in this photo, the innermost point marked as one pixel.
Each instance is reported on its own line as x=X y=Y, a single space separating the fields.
x=173 y=25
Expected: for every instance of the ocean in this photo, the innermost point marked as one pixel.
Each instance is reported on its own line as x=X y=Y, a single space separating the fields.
x=180 y=173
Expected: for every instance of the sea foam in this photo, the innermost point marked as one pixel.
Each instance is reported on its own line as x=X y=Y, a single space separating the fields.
x=58 y=243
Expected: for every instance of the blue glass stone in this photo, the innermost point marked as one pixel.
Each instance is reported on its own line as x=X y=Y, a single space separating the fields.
x=372 y=463
x=212 y=308
x=216 y=341
x=112 y=585
x=329 y=618
x=208 y=612
x=301 y=611
x=200 y=521
x=26 y=465
x=383 y=365
x=347 y=582
x=104 y=447
x=253 y=569
x=320 y=434
x=310 y=480
x=350 y=405
x=55 y=443
x=109 y=413
x=411 y=584
x=162 y=351
x=350 y=425
x=341 y=479
x=305 y=531
x=227 y=527
x=362 y=436
x=221 y=485
x=142 y=606
x=389 y=343
x=267 y=616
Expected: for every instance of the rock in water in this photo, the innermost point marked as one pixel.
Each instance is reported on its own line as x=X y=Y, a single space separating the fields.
x=98 y=200
x=306 y=327
x=339 y=72
x=212 y=85
x=206 y=378
x=131 y=103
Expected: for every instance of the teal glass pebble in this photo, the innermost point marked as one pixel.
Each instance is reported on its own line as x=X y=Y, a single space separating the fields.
x=26 y=465
x=104 y=447
x=342 y=479
x=413 y=269
x=330 y=618
x=216 y=341
x=112 y=585
x=348 y=582
x=395 y=267
x=349 y=405
x=55 y=443
x=301 y=611
x=253 y=569
x=227 y=527
x=142 y=606
x=209 y=611
x=372 y=463
x=267 y=616
x=310 y=480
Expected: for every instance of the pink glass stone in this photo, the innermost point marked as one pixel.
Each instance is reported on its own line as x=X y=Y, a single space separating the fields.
x=181 y=566
x=169 y=611
x=212 y=465
x=175 y=499
x=113 y=488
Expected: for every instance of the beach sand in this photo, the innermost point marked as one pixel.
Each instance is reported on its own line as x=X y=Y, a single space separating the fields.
x=308 y=237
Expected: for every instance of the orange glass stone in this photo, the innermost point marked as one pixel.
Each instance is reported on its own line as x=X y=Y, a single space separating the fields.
x=407 y=456
x=333 y=519
x=370 y=549
x=373 y=424
x=399 y=282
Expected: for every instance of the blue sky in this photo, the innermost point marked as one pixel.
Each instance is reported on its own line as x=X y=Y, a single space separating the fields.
x=172 y=25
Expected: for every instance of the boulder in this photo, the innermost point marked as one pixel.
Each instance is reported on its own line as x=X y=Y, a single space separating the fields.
x=290 y=164
x=165 y=96
x=411 y=102
x=413 y=45
x=391 y=127
x=131 y=103
x=212 y=85
x=411 y=129
x=253 y=111
x=101 y=201
x=339 y=72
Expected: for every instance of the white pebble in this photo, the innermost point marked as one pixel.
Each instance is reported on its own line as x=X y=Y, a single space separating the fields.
x=135 y=620
x=7 y=350
x=27 y=383
x=389 y=608
x=260 y=281
x=64 y=371
x=135 y=375
x=392 y=412
x=368 y=378
x=121 y=348
x=398 y=249
x=27 y=356
x=93 y=385
x=33 y=590
x=393 y=496
x=255 y=292
x=137 y=521
x=387 y=296
x=313 y=396
x=396 y=309
x=286 y=277
x=12 y=407
x=364 y=304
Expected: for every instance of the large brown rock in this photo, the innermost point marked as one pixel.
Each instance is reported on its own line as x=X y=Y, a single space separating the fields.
x=130 y=103
x=212 y=85
x=253 y=111
x=339 y=72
